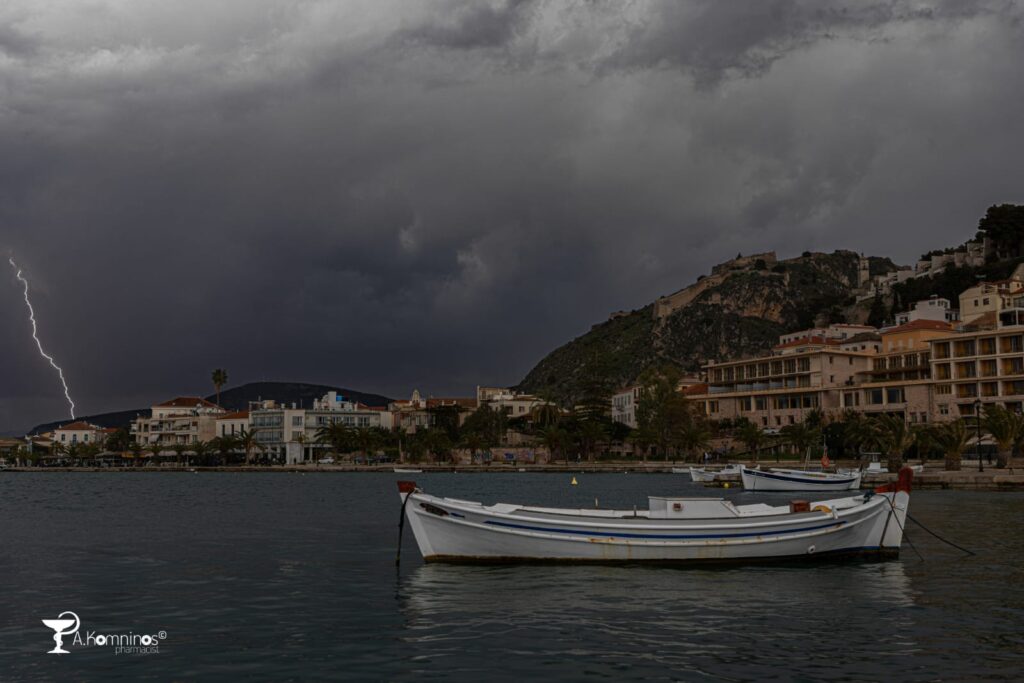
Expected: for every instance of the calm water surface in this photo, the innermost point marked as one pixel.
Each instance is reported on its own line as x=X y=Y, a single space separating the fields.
x=291 y=577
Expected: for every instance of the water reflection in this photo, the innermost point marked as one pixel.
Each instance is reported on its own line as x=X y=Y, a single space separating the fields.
x=696 y=621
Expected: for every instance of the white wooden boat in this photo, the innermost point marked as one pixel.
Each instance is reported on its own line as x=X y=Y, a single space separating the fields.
x=798 y=480
x=703 y=474
x=671 y=529
x=681 y=470
x=406 y=470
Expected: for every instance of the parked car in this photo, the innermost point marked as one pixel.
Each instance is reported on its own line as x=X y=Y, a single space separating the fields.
x=327 y=461
x=771 y=430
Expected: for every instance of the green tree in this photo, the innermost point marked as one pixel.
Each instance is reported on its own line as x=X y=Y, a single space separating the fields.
x=488 y=423
x=1005 y=427
x=366 y=439
x=179 y=450
x=219 y=378
x=337 y=435
x=201 y=451
x=803 y=437
x=556 y=440
x=693 y=437
x=118 y=441
x=225 y=446
x=1004 y=226
x=878 y=313
x=895 y=438
x=662 y=411
x=246 y=440
x=952 y=439
x=752 y=436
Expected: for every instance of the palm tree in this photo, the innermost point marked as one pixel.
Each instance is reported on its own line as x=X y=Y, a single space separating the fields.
x=246 y=440
x=895 y=437
x=752 y=437
x=224 y=445
x=219 y=378
x=859 y=432
x=179 y=450
x=365 y=440
x=1005 y=428
x=301 y=440
x=135 y=447
x=802 y=436
x=555 y=439
x=951 y=438
x=693 y=436
x=338 y=436
x=201 y=450
x=545 y=415
x=156 y=449
x=924 y=437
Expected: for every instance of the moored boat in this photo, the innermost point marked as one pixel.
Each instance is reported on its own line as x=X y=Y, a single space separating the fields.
x=703 y=474
x=798 y=480
x=672 y=529
x=406 y=470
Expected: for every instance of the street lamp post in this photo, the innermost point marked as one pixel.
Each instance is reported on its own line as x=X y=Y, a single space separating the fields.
x=977 y=424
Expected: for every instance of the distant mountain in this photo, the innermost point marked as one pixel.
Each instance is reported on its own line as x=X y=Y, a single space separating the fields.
x=237 y=398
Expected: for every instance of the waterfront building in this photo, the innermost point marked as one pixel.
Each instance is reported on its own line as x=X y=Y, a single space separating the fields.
x=898 y=380
x=773 y=391
x=980 y=365
x=182 y=420
x=79 y=432
x=290 y=432
x=233 y=424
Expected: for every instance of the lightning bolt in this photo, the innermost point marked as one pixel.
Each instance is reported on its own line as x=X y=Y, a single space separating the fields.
x=35 y=335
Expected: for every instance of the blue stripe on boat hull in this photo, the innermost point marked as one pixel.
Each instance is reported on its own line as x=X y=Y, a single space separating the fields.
x=797 y=478
x=607 y=534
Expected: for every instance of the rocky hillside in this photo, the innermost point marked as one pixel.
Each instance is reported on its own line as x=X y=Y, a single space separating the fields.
x=738 y=310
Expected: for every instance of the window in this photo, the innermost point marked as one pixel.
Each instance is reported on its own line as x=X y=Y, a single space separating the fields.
x=943 y=389
x=894 y=395
x=761 y=403
x=874 y=397
x=984 y=302
x=296 y=420
x=943 y=409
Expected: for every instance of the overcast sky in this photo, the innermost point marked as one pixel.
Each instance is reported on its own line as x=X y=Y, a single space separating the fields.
x=397 y=195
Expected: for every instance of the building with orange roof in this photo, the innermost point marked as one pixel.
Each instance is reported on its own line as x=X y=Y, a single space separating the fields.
x=182 y=420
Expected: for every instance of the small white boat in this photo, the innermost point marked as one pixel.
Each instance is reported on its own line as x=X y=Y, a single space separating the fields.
x=406 y=470
x=671 y=529
x=798 y=480
x=703 y=474
x=681 y=470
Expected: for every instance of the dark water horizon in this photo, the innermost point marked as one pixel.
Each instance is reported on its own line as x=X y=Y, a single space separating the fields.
x=292 y=577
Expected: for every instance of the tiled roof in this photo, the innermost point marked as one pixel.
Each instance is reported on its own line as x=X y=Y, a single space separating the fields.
x=920 y=325
x=187 y=402
x=76 y=426
x=695 y=389
x=804 y=341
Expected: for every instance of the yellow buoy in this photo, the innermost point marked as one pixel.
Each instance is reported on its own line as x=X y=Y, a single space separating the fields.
x=725 y=485
x=574 y=483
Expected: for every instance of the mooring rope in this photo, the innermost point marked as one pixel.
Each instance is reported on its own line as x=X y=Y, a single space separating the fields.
x=947 y=542
x=401 y=528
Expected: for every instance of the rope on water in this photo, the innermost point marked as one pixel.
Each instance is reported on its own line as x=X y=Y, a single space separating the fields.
x=932 y=533
x=401 y=528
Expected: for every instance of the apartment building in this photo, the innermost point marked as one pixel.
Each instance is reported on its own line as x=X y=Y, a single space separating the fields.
x=80 y=432
x=182 y=420
x=233 y=424
x=985 y=300
x=835 y=332
x=982 y=366
x=291 y=432
x=773 y=391
x=898 y=381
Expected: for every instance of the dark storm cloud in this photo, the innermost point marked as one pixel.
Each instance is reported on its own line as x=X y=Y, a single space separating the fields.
x=392 y=195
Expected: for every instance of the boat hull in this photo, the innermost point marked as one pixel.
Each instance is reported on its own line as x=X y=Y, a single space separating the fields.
x=447 y=530
x=791 y=480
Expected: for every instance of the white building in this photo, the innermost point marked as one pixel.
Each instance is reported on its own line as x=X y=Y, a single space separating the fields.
x=182 y=420
x=512 y=402
x=291 y=432
x=836 y=331
x=79 y=432
x=233 y=424
x=934 y=308
x=624 y=404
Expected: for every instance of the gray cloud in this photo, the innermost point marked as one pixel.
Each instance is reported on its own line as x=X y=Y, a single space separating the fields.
x=391 y=195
